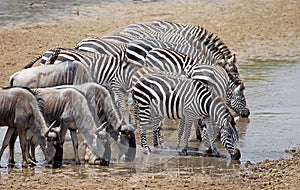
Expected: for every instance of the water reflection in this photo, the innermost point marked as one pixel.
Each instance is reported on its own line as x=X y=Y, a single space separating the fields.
x=272 y=92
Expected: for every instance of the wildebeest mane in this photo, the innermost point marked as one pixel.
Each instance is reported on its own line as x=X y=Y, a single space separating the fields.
x=23 y=87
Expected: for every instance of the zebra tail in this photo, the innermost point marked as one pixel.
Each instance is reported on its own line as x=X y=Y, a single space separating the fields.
x=33 y=61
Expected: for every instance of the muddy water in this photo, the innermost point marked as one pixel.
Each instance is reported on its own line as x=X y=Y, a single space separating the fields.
x=272 y=92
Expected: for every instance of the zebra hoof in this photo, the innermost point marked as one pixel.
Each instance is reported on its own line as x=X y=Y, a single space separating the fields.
x=184 y=152
x=217 y=154
x=162 y=146
x=147 y=151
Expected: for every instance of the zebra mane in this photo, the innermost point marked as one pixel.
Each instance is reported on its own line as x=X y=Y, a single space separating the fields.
x=33 y=61
x=215 y=44
x=211 y=41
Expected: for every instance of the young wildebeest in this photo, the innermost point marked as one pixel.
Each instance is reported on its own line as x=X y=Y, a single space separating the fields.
x=104 y=111
x=19 y=111
x=71 y=108
x=68 y=72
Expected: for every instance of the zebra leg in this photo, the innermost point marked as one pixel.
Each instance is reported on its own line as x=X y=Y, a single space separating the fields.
x=144 y=115
x=187 y=123
x=157 y=138
x=209 y=137
x=198 y=126
x=144 y=144
x=180 y=132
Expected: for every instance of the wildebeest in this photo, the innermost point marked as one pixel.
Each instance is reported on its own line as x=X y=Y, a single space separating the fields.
x=58 y=75
x=103 y=108
x=20 y=111
x=68 y=72
x=71 y=109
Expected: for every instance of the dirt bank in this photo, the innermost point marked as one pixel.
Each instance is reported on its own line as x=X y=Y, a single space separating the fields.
x=251 y=29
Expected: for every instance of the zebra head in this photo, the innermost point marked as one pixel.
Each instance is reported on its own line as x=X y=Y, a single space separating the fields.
x=230 y=138
x=236 y=100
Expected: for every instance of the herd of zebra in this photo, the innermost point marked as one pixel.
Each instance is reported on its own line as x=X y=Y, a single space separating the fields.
x=170 y=70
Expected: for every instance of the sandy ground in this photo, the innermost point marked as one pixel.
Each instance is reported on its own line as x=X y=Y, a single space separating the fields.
x=251 y=29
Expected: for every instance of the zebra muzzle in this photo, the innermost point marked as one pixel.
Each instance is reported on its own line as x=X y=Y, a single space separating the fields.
x=236 y=154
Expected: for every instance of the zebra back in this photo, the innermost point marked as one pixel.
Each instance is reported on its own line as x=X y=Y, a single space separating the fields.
x=172 y=61
x=103 y=67
x=138 y=49
x=172 y=93
x=203 y=40
x=119 y=38
x=214 y=75
x=102 y=46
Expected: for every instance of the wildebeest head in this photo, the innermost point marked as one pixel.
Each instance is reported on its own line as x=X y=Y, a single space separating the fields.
x=127 y=141
x=54 y=144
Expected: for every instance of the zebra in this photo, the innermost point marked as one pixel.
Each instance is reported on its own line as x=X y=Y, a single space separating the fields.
x=94 y=45
x=225 y=84
x=159 y=95
x=199 y=37
x=170 y=36
x=102 y=67
x=137 y=50
x=173 y=61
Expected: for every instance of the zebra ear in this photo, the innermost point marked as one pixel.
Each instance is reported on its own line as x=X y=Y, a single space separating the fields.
x=237 y=89
x=234 y=58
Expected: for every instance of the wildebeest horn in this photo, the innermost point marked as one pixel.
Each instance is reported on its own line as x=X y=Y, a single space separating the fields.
x=49 y=129
x=102 y=126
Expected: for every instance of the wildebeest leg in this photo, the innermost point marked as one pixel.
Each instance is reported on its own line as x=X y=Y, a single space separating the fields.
x=7 y=141
x=130 y=155
x=31 y=147
x=13 y=138
x=75 y=145
x=23 y=145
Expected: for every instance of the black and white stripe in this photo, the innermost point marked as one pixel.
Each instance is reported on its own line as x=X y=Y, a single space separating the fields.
x=137 y=50
x=102 y=46
x=197 y=36
x=103 y=67
x=158 y=96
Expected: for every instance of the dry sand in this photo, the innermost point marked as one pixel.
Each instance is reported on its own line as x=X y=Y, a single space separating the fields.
x=251 y=29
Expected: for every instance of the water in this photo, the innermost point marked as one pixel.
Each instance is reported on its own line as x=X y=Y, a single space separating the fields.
x=14 y=12
x=272 y=92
